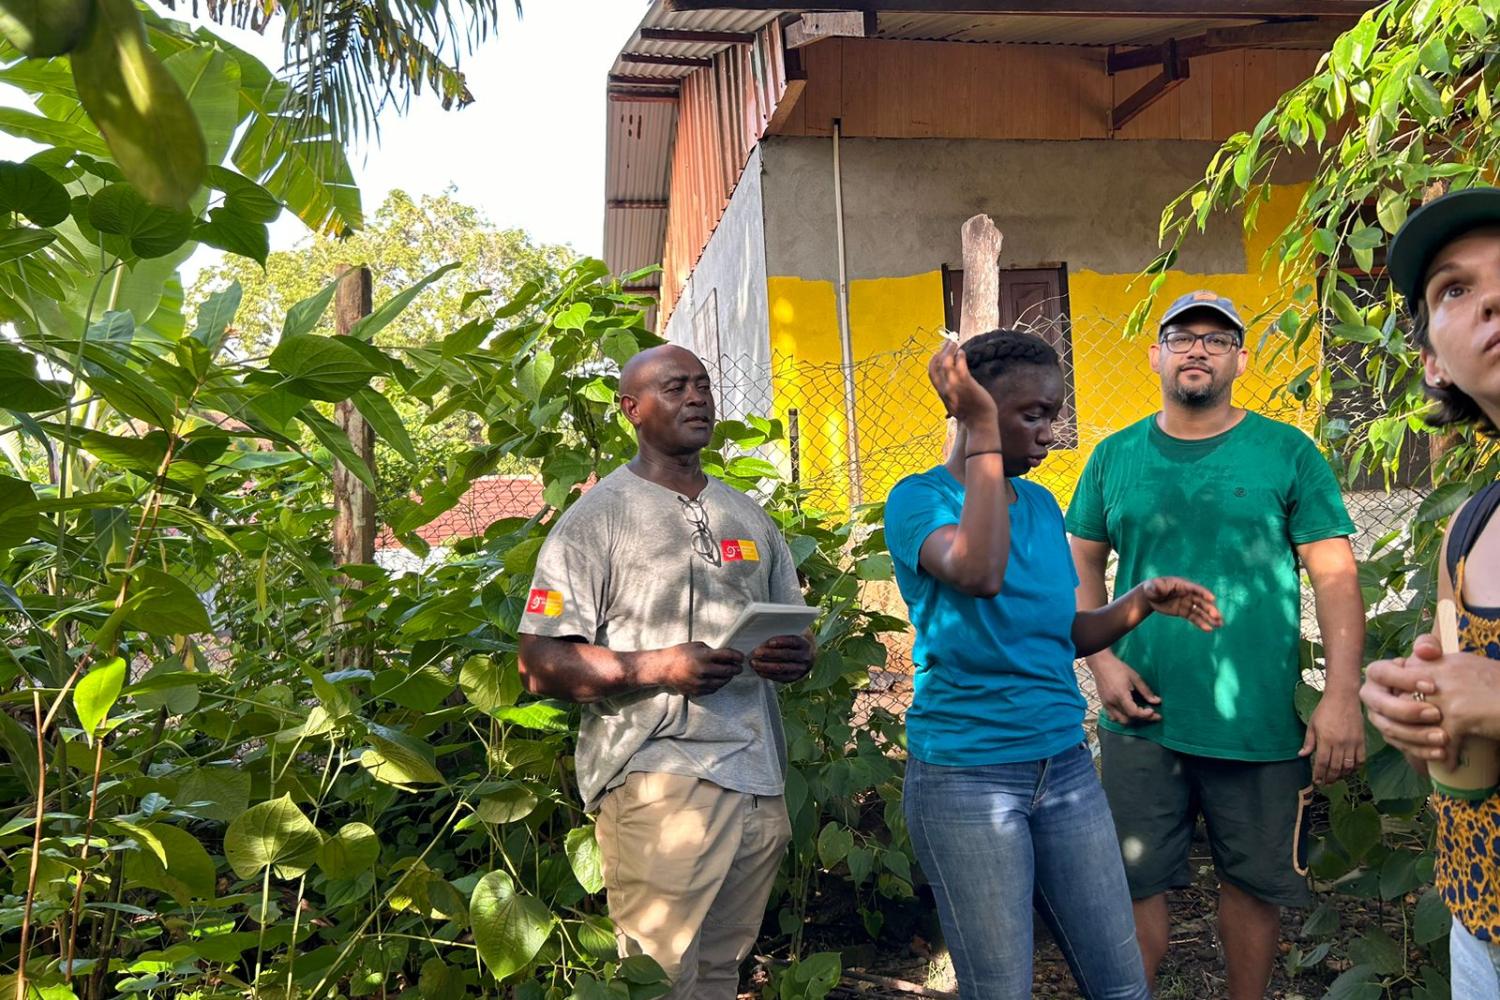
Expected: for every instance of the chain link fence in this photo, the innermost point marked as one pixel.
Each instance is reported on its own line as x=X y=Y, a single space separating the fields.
x=899 y=428
x=852 y=435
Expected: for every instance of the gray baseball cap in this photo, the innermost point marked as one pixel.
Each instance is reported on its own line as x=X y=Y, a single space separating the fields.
x=1203 y=300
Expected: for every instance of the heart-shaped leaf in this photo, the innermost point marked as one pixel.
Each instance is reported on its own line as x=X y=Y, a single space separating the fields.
x=354 y=849
x=274 y=833
x=509 y=929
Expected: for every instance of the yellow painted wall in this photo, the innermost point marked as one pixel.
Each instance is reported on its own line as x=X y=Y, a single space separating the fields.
x=894 y=324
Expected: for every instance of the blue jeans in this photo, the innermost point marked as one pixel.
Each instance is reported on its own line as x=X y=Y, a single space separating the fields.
x=995 y=841
x=1475 y=971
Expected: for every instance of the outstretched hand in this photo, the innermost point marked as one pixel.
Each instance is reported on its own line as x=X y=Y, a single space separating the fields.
x=963 y=397
x=1172 y=595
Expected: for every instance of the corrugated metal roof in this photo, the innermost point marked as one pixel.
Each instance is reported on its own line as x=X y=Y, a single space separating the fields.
x=744 y=21
x=638 y=147
x=633 y=239
x=1043 y=29
x=639 y=144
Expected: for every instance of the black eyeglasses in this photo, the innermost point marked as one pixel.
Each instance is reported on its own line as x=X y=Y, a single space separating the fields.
x=703 y=539
x=1215 y=342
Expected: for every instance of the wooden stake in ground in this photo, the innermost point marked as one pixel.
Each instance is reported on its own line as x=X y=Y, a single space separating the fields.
x=353 y=502
x=980 y=310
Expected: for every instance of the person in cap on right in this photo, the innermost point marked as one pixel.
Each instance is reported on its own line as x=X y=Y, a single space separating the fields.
x=1446 y=261
x=1206 y=724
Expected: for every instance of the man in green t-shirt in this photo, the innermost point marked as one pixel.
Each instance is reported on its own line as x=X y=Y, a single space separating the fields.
x=1205 y=722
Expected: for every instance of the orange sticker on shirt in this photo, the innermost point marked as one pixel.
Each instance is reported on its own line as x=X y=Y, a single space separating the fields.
x=739 y=549
x=545 y=602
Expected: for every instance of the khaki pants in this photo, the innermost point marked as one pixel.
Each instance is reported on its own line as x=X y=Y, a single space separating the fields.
x=688 y=867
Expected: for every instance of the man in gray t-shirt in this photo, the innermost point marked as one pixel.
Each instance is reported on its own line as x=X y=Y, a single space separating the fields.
x=681 y=748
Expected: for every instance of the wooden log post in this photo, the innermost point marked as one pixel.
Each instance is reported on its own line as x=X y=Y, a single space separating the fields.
x=353 y=501
x=980 y=310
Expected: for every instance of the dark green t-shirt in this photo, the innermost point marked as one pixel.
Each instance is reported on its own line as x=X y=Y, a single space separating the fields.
x=1226 y=512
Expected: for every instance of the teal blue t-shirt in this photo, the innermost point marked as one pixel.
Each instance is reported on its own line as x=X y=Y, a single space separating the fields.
x=994 y=676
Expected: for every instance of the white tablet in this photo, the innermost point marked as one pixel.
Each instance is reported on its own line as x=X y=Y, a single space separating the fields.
x=759 y=622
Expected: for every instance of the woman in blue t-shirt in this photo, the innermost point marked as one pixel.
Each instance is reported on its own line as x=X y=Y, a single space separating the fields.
x=1002 y=801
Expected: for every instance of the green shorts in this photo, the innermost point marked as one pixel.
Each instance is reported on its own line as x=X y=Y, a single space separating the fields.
x=1255 y=813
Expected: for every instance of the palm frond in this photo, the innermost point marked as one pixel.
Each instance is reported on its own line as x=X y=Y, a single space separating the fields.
x=346 y=60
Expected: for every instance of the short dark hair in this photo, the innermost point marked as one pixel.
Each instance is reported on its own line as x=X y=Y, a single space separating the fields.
x=1454 y=405
x=993 y=355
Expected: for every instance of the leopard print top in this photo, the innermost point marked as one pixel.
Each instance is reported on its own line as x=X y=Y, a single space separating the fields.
x=1468 y=833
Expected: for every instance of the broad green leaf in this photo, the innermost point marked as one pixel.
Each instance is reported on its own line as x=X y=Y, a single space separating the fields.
x=320 y=367
x=224 y=789
x=31 y=191
x=1377 y=950
x=146 y=119
x=1392 y=778
x=386 y=422
x=378 y=320
x=354 y=849
x=235 y=234
x=215 y=315
x=21 y=388
x=532 y=377
x=509 y=929
x=1427 y=95
x=244 y=197
x=421 y=689
x=165 y=604
x=96 y=693
x=210 y=80
x=274 y=833
x=399 y=759
x=22 y=241
x=41 y=28
x=156 y=689
x=1432 y=919
x=26 y=125
x=547 y=716
x=583 y=855
x=188 y=872
x=512 y=801
x=488 y=685
x=304 y=316
x=1390 y=208
x=19 y=515
x=834 y=844
x=337 y=442
x=153 y=231
x=439 y=981
x=298 y=161
x=1357 y=829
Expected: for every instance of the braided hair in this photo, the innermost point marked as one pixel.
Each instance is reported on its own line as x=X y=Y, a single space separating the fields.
x=993 y=355
x=1454 y=405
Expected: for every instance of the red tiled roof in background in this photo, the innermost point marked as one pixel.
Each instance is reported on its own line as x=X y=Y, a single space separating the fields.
x=489 y=499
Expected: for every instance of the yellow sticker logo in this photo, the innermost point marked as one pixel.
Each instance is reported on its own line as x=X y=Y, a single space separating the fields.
x=739 y=549
x=548 y=603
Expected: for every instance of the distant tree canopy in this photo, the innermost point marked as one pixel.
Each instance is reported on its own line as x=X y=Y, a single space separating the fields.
x=404 y=240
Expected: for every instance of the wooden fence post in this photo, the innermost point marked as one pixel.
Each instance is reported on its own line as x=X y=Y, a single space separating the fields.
x=353 y=501
x=980 y=309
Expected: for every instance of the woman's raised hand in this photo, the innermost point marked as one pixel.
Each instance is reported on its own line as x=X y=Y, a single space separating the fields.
x=965 y=399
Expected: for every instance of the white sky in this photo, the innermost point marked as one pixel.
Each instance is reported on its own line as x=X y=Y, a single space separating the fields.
x=529 y=151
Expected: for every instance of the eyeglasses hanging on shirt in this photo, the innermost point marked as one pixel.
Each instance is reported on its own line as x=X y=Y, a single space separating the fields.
x=703 y=539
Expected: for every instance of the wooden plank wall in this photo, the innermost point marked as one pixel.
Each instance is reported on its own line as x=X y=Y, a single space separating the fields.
x=722 y=112
x=956 y=90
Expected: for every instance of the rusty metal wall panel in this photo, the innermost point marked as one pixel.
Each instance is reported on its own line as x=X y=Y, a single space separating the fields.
x=723 y=111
